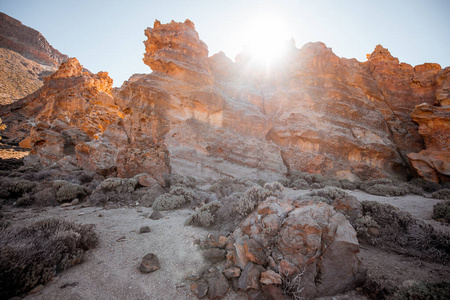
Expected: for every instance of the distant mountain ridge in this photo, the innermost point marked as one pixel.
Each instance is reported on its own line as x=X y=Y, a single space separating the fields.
x=26 y=57
x=28 y=42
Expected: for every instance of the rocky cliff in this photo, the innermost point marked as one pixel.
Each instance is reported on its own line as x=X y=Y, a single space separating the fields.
x=28 y=42
x=209 y=117
x=25 y=59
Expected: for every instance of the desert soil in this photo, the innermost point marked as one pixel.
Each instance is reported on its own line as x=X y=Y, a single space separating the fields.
x=110 y=271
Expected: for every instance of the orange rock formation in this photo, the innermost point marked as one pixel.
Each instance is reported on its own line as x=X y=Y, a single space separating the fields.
x=209 y=117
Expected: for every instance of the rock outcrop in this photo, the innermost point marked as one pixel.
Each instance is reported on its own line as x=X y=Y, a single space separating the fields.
x=28 y=42
x=433 y=163
x=71 y=108
x=210 y=117
x=306 y=239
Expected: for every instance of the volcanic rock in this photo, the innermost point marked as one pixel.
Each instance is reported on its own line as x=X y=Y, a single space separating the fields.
x=270 y=277
x=150 y=263
x=217 y=285
x=313 y=238
x=433 y=163
x=200 y=288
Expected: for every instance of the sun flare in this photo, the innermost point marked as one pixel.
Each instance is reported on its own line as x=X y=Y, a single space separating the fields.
x=265 y=37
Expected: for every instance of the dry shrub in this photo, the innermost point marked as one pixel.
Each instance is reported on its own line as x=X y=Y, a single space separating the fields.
x=291 y=286
x=175 y=179
x=331 y=182
x=443 y=194
x=309 y=178
x=427 y=186
x=227 y=218
x=349 y=185
x=300 y=184
x=116 y=190
x=401 y=232
x=385 y=190
x=66 y=191
x=330 y=193
x=205 y=216
x=224 y=187
x=168 y=201
x=252 y=197
x=34 y=255
x=441 y=212
x=423 y=291
x=275 y=187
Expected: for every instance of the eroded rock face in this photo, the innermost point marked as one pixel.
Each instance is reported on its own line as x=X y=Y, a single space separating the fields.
x=433 y=163
x=71 y=108
x=210 y=117
x=310 y=238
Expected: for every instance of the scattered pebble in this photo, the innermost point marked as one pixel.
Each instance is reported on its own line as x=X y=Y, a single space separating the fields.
x=144 y=229
x=121 y=239
x=150 y=263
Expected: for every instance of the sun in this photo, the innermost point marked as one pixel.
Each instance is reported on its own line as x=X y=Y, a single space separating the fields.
x=265 y=37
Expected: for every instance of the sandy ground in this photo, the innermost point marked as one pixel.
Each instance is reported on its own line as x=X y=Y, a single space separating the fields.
x=110 y=271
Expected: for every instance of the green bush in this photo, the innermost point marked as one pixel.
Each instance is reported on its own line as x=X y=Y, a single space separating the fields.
x=35 y=254
x=443 y=194
x=400 y=231
x=424 y=291
x=168 y=201
x=441 y=211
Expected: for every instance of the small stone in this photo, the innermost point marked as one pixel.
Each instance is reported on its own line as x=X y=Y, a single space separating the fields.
x=214 y=255
x=270 y=277
x=272 y=292
x=287 y=268
x=254 y=251
x=217 y=285
x=194 y=275
x=232 y=272
x=75 y=201
x=200 y=288
x=250 y=277
x=65 y=205
x=156 y=215
x=150 y=263
x=121 y=239
x=36 y=289
x=100 y=215
x=81 y=213
x=144 y=229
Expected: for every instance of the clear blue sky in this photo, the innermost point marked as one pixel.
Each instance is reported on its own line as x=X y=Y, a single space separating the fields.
x=108 y=35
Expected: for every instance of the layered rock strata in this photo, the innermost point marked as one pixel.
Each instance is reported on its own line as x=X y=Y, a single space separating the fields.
x=210 y=117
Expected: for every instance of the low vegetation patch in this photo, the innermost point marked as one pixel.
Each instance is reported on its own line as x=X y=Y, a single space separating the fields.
x=35 y=254
x=390 y=228
x=441 y=212
x=443 y=194
x=423 y=291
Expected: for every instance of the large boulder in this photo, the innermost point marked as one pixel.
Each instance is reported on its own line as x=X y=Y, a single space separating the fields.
x=311 y=239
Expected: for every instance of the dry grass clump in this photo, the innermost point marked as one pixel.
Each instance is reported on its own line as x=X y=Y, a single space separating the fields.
x=35 y=254
x=441 y=212
x=390 y=228
x=423 y=291
x=291 y=286
x=443 y=194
